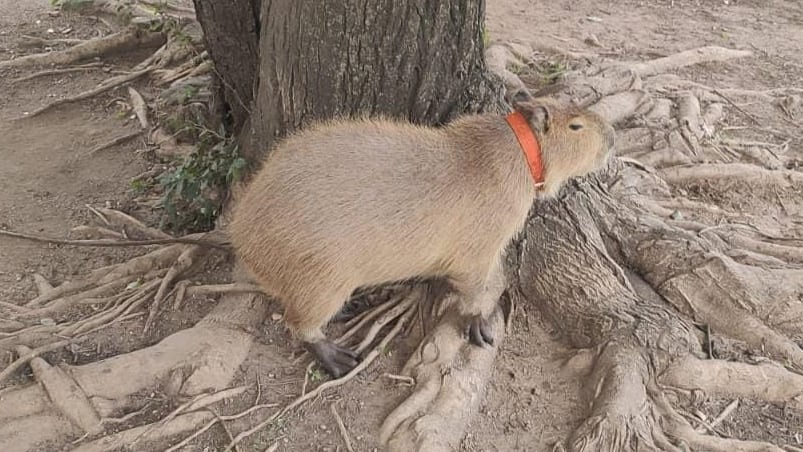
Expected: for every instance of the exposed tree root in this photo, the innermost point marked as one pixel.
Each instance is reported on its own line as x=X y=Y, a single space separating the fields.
x=132 y=38
x=194 y=239
x=172 y=50
x=725 y=295
x=790 y=254
x=183 y=263
x=736 y=172
x=190 y=362
x=766 y=381
x=450 y=376
x=637 y=340
x=35 y=41
x=685 y=58
x=107 y=85
x=131 y=227
x=500 y=58
x=70 y=70
x=400 y=321
x=125 y=11
x=688 y=437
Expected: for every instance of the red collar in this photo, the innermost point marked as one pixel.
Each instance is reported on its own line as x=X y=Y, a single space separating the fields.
x=529 y=145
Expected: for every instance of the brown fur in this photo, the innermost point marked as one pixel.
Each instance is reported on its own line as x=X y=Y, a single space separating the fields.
x=344 y=204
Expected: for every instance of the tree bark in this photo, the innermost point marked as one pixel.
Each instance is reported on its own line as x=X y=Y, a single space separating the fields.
x=231 y=36
x=417 y=59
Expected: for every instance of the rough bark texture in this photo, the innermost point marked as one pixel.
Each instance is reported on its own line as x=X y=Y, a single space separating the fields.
x=417 y=59
x=567 y=270
x=231 y=35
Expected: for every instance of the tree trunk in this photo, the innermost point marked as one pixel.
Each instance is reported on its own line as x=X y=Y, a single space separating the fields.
x=416 y=59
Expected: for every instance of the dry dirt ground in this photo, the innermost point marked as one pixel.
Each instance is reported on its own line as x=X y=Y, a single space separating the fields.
x=47 y=178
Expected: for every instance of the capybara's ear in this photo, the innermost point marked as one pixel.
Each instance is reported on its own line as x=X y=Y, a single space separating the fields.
x=521 y=96
x=535 y=110
x=536 y=113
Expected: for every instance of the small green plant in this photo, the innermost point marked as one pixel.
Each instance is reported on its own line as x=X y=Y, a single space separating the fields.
x=139 y=186
x=553 y=70
x=193 y=192
x=316 y=375
x=188 y=92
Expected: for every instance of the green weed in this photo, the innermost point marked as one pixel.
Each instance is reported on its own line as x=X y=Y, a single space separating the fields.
x=192 y=196
x=552 y=71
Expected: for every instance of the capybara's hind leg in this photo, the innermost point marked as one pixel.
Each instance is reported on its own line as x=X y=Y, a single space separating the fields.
x=308 y=319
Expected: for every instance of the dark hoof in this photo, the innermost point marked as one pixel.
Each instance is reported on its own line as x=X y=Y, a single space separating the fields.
x=336 y=360
x=479 y=331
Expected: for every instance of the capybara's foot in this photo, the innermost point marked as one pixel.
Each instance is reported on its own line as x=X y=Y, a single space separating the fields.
x=336 y=360
x=479 y=331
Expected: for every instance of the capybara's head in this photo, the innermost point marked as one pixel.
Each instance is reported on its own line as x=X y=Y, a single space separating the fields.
x=574 y=142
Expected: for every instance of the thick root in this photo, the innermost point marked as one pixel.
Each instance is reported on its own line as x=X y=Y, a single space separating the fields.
x=699 y=293
x=450 y=378
x=735 y=172
x=132 y=38
x=686 y=58
x=765 y=381
x=621 y=416
x=190 y=362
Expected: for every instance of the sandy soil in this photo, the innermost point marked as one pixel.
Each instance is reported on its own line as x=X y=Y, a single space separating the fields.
x=47 y=178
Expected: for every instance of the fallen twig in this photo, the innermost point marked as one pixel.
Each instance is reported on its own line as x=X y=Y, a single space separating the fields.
x=102 y=88
x=69 y=70
x=738 y=108
x=212 y=423
x=198 y=402
x=22 y=360
x=725 y=413
x=112 y=217
x=324 y=386
x=114 y=142
x=342 y=427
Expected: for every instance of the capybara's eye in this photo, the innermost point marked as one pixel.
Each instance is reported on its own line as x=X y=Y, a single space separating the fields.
x=575 y=126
